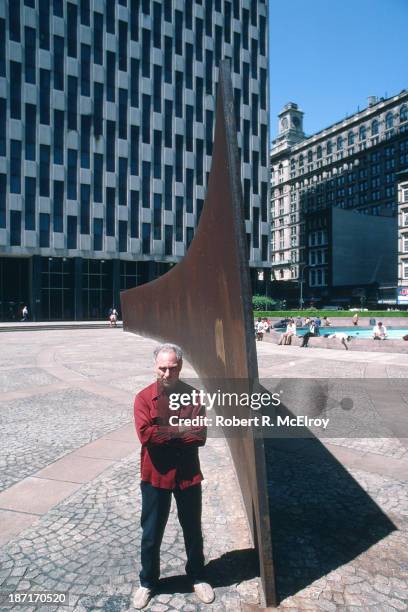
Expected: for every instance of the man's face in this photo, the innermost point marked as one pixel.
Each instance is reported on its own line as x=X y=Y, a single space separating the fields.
x=167 y=369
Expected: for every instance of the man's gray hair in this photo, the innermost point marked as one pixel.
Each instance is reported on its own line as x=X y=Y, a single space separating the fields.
x=168 y=347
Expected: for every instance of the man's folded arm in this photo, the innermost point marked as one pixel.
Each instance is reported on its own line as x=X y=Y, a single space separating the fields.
x=149 y=433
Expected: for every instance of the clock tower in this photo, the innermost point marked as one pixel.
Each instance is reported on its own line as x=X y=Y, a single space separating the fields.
x=291 y=124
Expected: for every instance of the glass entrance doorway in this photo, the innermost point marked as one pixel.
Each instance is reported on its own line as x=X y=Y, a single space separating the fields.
x=57 y=289
x=14 y=287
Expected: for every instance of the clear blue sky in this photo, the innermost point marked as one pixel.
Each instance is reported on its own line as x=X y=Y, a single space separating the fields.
x=330 y=55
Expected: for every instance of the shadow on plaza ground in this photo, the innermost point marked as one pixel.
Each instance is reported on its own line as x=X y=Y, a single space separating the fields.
x=231 y=568
x=321 y=518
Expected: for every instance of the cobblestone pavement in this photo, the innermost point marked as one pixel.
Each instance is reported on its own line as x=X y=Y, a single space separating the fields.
x=340 y=531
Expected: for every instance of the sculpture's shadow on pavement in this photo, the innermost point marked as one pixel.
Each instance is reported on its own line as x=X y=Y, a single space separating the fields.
x=231 y=568
x=321 y=518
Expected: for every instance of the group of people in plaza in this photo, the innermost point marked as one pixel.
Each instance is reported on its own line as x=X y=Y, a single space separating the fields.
x=262 y=326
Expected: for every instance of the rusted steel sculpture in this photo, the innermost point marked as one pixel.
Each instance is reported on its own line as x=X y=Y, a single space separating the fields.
x=204 y=305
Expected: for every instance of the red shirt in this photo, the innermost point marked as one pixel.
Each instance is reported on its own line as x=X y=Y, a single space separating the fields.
x=169 y=458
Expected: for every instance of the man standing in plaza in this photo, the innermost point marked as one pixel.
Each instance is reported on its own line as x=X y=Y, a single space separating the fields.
x=169 y=466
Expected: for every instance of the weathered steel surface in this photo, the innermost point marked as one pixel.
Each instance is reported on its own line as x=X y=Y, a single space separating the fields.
x=204 y=305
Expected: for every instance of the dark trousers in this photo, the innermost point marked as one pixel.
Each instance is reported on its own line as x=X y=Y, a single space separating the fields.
x=306 y=338
x=155 y=513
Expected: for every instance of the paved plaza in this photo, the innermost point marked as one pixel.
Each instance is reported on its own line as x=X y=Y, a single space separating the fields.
x=70 y=499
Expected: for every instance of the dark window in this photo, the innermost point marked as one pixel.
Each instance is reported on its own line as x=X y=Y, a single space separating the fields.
x=110 y=76
x=97 y=176
x=3 y=126
x=178 y=102
x=189 y=127
x=168 y=59
x=168 y=123
x=45 y=79
x=123 y=108
x=157 y=214
x=179 y=158
x=3 y=196
x=168 y=187
x=71 y=232
x=110 y=16
x=123 y=53
x=110 y=211
x=245 y=28
x=15 y=166
x=262 y=35
x=15 y=228
x=264 y=145
x=29 y=203
x=247 y=197
x=58 y=137
x=189 y=189
x=98 y=235
x=208 y=71
x=134 y=214
x=44 y=170
x=85 y=141
x=189 y=13
x=145 y=238
x=146 y=60
x=168 y=239
x=237 y=51
x=264 y=253
x=157 y=150
x=179 y=219
x=146 y=7
x=85 y=205
x=58 y=8
x=178 y=43
x=123 y=236
x=72 y=18
x=15 y=90
x=189 y=66
x=2 y=47
x=209 y=115
x=110 y=146
x=98 y=38
x=167 y=10
x=146 y=102
x=85 y=13
x=199 y=88
x=58 y=207
x=44 y=23
x=245 y=139
x=123 y=172
x=208 y=18
x=253 y=12
x=262 y=87
x=199 y=39
x=199 y=161
x=200 y=204
x=255 y=171
x=134 y=19
x=85 y=70
x=264 y=202
x=72 y=102
x=72 y=175
x=156 y=25
x=255 y=114
x=227 y=22
x=255 y=228
x=157 y=95
x=254 y=58
x=30 y=131
x=29 y=54
x=146 y=184
x=134 y=82
x=14 y=20
x=218 y=44
x=134 y=149
x=44 y=230
x=245 y=83
x=58 y=63
x=98 y=109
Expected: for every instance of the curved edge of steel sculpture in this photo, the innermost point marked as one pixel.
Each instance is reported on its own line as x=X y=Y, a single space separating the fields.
x=204 y=305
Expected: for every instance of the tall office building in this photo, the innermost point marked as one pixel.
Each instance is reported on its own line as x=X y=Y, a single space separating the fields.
x=107 y=112
x=334 y=205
